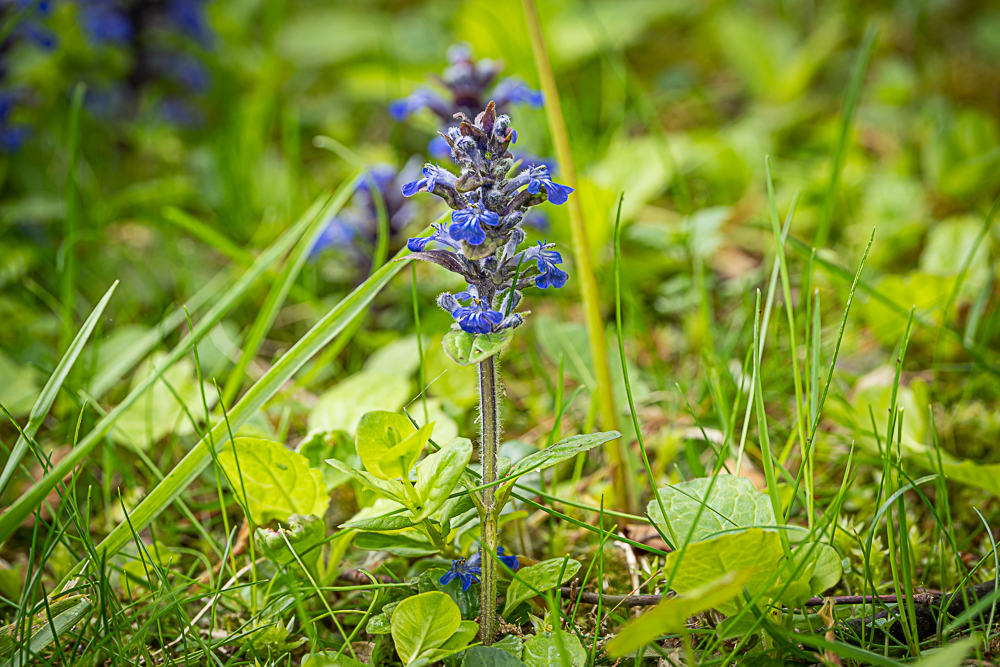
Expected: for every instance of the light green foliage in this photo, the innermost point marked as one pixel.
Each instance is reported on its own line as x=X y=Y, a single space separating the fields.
x=949 y=244
x=490 y=656
x=408 y=544
x=329 y=659
x=547 y=650
x=733 y=503
x=951 y=655
x=438 y=474
x=467 y=349
x=278 y=482
x=322 y=446
x=342 y=406
x=818 y=568
x=157 y=413
x=390 y=489
x=424 y=623
x=388 y=444
x=671 y=615
x=538 y=579
x=927 y=292
x=756 y=550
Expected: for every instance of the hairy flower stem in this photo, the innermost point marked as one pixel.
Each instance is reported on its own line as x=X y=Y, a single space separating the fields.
x=489 y=415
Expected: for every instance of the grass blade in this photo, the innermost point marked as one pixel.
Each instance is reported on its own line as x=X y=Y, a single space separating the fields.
x=51 y=389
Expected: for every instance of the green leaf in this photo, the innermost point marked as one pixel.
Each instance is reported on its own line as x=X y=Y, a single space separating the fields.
x=388 y=488
x=399 y=460
x=378 y=625
x=322 y=446
x=756 y=549
x=457 y=642
x=467 y=349
x=379 y=432
x=489 y=656
x=329 y=659
x=733 y=503
x=409 y=544
x=670 y=616
x=278 y=482
x=304 y=533
x=377 y=524
x=467 y=601
x=438 y=474
x=343 y=406
x=511 y=644
x=548 y=650
x=538 y=578
x=422 y=623
x=951 y=655
x=818 y=567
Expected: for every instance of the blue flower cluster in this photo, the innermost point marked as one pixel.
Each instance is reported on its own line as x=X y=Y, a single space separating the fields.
x=355 y=227
x=482 y=242
x=467 y=81
x=29 y=15
x=468 y=570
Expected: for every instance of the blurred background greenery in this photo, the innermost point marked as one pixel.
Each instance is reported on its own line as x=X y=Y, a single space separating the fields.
x=197 y=151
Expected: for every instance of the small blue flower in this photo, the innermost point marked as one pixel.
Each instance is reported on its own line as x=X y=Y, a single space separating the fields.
x=515 y=91
x=441 y=235
x=546 y=260
x=477 y=319
x=464 y=570
x=510 y=561
x=438 y=148
x=467 y=224
x=432 y=174
x=189 y=17
x=419 y=99
x=468 y=570
x=105 y=22
x=539 y=177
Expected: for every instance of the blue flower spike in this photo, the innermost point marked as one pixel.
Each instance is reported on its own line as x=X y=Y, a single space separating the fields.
x=488 y=204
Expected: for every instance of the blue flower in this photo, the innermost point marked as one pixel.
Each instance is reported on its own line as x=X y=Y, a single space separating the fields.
x=440 y=235
x=419 y=99
x=539 y=177
x=105 y=22
x=515 y=91
x=12 y=135
x=438 y=148
x=464 y=570
x=546 y=260
x=468 y=570
x=467 y=224
x=432 y=174
x=478 y=318
x=189 y=17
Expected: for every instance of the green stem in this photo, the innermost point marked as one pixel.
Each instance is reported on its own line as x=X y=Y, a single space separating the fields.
x=489 y=415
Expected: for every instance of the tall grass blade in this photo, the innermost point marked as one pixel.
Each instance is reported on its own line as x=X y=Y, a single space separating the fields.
x=51 y=390
x=623 y=490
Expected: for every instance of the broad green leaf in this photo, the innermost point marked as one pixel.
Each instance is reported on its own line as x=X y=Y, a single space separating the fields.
x=538 y=578
x=329 y=659
x=304 y=533
x=341 y=407
x=422 y=623
x=388 y=488
x=277 y=482
x=378 y=625
x=400 y=357
x=378 y=433
x=467 y=349
x=548 y=650
x=927 y=292
x=399 y=460
x=511 y=644
x=19 y=388
x=322 y=446
x=550 y=456
x=438 y=474
x=671 y=615
x=157 y=413
x=733 y=503
x=756 y=549
x=409 y=544
x=489 y=656
x=818 y=567
x=457 y=642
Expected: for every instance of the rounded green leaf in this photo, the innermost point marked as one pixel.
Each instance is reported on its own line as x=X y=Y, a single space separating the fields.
x=540 y=577
x=275 y=481
x=378 y=432
x=398 y=461
x=422 y=623
x=732 y=503
x=438 y=474
x=547 y=649
x=467 y=349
